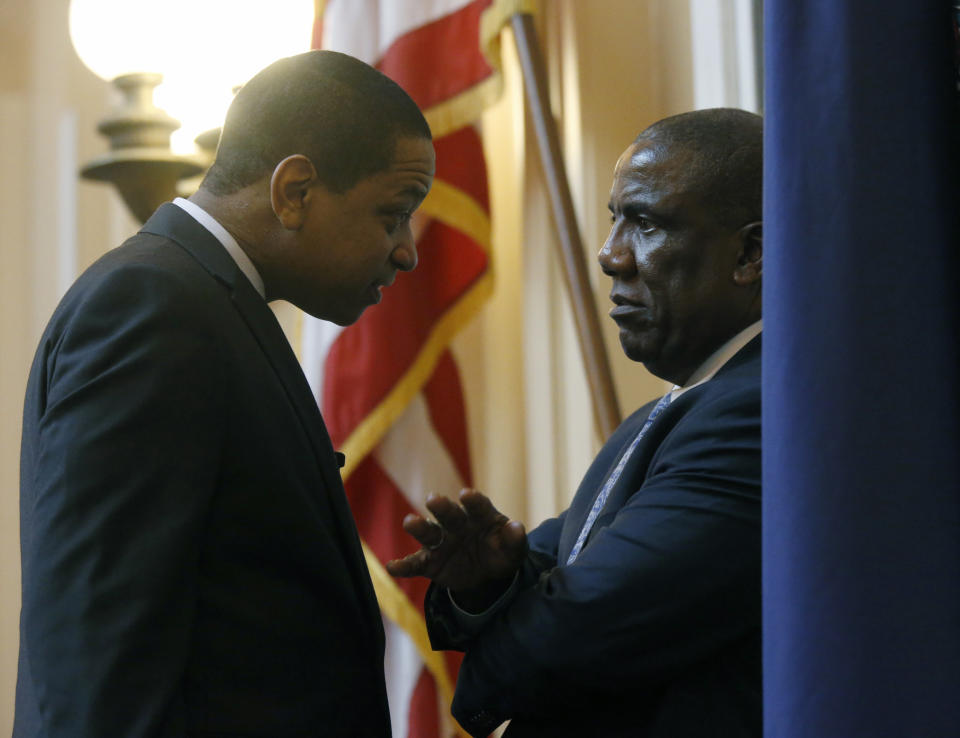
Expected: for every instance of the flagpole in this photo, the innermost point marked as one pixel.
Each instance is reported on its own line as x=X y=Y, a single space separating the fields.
x=605 y=407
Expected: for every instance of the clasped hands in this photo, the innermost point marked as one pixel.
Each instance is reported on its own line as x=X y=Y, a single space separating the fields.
x=471 y=548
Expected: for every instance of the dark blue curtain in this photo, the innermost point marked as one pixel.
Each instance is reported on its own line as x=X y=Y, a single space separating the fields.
x=861 y=403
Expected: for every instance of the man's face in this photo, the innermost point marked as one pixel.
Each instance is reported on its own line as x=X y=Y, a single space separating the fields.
x=352 y=244
x=672 y=265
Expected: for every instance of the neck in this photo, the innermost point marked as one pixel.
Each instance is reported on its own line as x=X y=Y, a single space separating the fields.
x=707 y=362
x=237 y=213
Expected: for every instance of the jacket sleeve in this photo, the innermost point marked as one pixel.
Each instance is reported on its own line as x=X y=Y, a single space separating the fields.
x=125 y=457
x=672 y=578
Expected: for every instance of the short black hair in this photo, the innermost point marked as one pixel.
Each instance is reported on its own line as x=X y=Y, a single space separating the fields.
x=341 y=113
x=726 y=147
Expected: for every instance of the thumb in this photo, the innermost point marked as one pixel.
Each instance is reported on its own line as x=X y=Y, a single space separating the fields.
x=514 y=539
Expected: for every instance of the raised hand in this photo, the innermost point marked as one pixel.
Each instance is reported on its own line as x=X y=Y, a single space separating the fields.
x=471 y=548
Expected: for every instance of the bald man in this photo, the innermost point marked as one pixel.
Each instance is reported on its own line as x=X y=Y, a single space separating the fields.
x=636 y=612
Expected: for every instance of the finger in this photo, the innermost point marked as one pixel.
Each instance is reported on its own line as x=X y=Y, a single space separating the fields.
x=447 y=512
x=398 y=567
x=412 y=521
x=513 y=537
x=478 y=505
x=401 y=568
x=425 y=531
x=414 y=565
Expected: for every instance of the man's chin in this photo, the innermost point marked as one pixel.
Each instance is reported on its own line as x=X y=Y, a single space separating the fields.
x=635 y=348
x=339 y=317
x=349 y=318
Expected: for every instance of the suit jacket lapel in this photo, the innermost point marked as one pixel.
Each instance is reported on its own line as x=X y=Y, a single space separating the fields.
x=172 y=222
x=595 y=477
x=672 y=415
x=264 y=326
x=627 y=483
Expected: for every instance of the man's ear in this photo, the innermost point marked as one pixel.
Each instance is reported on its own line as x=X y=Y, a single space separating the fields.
x=749 y=267
x=290 y=190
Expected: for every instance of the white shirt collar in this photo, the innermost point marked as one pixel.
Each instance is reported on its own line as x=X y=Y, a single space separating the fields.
x=718 y=358
x=229 y=242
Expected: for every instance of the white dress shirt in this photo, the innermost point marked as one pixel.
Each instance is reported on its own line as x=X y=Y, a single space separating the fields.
x=229 y=242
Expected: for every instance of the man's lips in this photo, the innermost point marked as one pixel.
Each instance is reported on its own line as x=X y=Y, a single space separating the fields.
x=618 y=312
x=624 y=307
x=376 y=293
x=376 y=288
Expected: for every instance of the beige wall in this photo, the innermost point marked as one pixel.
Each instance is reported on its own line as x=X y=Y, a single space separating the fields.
x=616 y=65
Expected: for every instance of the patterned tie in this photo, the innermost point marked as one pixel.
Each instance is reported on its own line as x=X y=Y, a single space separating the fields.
x=612 y=479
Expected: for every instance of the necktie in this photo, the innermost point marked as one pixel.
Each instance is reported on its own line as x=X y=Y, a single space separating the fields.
x=612 y=479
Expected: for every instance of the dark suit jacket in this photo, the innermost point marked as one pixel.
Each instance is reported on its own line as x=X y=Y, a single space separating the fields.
x=654 y=631
x=190 y=564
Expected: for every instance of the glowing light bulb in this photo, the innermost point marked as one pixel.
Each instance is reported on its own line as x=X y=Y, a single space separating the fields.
x=203 y=48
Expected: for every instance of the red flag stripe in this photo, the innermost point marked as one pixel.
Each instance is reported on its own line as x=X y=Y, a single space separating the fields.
x=379 y=507
x=460 y=162
x=455 y=38
x=424 y=716
x=377 y=366
x=450 y=263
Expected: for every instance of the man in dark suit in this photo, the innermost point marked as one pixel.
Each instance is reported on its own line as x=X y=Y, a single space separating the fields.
x=190 y=565
x=636 y=612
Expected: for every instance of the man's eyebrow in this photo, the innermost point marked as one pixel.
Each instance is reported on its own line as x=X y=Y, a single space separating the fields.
x=638 y=205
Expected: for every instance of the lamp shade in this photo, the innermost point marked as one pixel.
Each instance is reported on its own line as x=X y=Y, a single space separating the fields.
x=116 y=37
x=203 y=48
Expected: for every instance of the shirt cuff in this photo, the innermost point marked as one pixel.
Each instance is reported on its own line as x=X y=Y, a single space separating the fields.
x=472 y=623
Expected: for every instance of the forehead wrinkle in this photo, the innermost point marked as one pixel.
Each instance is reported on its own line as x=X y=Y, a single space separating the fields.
x=414 y=164
x=411 y=177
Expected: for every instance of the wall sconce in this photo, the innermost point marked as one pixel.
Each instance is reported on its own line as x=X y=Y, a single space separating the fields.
x=195 y=53
x=140 y=163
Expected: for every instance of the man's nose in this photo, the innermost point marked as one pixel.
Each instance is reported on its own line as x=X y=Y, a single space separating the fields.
x=404 y=255
x=614 y=257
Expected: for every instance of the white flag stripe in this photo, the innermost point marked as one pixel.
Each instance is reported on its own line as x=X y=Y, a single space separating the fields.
x=415 y=458
x=403 y=666
x=316 y=339
x=367 y=28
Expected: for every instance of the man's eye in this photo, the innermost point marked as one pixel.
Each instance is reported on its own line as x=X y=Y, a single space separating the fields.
x=397 y=219
x=641 y=222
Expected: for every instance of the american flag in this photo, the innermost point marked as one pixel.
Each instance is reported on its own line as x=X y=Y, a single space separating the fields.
x=388 y=385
